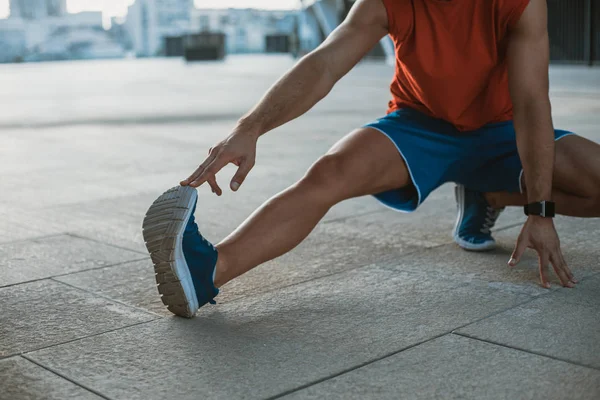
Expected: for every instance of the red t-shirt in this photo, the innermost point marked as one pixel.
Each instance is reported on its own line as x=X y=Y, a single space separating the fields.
x=451 y=58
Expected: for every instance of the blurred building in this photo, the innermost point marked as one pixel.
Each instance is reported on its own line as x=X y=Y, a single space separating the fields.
x=37 y=9
x=257 y=31
x=201 y=46
x=63 y=37
x=119 y=33
x=78 y=36
x=149 y=22
x=13 y=40
x=56 y=7
x=245 y=29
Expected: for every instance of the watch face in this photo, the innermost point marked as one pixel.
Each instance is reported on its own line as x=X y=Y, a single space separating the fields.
x=542 y=208
x=535 y=209
x=549 y=209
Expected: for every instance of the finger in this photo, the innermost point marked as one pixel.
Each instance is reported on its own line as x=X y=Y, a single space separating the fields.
x=212 y=181
x=198 y=171
x=193 y=176
x=211 y=170
x=241 y=174
x=520 y=248
x=559 y=270
x=544 y=260
x=566 y=267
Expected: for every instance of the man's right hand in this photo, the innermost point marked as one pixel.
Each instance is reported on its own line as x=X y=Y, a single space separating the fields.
x=239 y=148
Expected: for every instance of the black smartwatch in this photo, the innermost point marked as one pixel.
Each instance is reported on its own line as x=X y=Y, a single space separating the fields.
x=541 y=208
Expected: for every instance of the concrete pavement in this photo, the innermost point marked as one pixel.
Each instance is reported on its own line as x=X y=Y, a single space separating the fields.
x=374 y=304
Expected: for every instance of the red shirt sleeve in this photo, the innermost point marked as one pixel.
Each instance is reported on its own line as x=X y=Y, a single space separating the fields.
x=400 y=18
x=512 y=10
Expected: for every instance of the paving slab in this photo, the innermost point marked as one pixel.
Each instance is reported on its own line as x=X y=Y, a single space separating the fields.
x=332 y=248
x=24 y=380
x=54 y=255
x=587 y=293
x=579 y=241
x=117 y=221
x=454 y=367
x=345 y=240
x=113 y=211
x=124 y=159
x=63 y=188
x=17 y=224
x=131 y=93
x=451 y=262
x=564 y=324
x=130 y=283
x=45 y=313
x=11 y=230
x=97 y=154
x=109 y=221
x=266 y=344
x=167 y=89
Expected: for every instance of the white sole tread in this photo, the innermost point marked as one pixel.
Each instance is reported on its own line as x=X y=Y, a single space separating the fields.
x=163 y=229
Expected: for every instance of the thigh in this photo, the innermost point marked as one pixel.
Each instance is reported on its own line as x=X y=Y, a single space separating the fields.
x=577 y=166
x=362 y=163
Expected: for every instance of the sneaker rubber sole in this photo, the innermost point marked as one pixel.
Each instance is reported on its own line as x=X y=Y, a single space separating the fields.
x=163 y=229
x=479 y=247
x=459 y=192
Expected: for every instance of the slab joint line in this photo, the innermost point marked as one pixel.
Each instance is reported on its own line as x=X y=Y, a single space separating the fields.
x=51 y=370
x=78 y=236
x=33 y=238
x=82 y=338
x=361 y=365
x=73 y=273
x=526 y=351
x=96 y=294
x=316 y=382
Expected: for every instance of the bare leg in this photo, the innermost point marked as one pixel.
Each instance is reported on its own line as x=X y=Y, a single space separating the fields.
x=364 y=162
x=576 y=180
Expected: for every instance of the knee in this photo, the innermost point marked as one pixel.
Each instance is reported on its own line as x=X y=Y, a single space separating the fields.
x=590 y=204
x=328 y=174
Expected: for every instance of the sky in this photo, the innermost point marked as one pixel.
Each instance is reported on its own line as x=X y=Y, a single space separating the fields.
x=119 y=7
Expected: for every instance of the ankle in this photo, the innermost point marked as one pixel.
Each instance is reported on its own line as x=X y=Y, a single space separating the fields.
x=221 y=276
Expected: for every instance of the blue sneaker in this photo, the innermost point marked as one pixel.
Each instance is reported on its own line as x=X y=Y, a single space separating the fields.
x=475 y=220
x=184 y=261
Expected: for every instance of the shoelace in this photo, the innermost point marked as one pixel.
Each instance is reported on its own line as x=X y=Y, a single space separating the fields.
x=490 y=219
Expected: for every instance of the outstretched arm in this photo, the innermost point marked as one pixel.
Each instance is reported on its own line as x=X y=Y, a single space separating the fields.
x=309 y=81
x=315 y=75
x=528 y=60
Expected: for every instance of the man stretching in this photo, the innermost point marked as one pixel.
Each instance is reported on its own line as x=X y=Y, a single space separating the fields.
x=469 y=105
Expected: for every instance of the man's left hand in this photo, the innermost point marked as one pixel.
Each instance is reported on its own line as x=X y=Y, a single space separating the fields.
x=539 y=234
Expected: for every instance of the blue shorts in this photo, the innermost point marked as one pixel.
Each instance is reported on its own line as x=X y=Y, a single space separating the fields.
x=435 y=152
